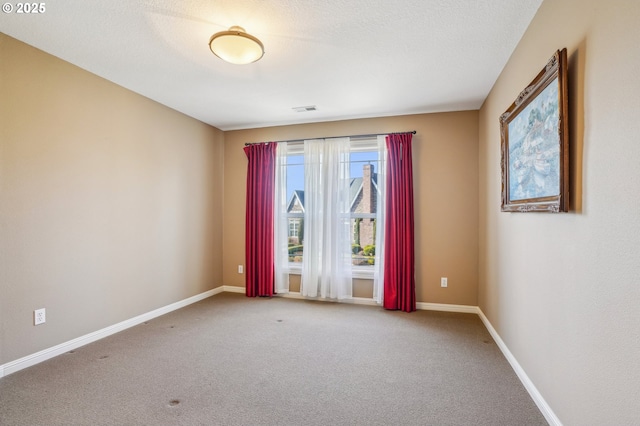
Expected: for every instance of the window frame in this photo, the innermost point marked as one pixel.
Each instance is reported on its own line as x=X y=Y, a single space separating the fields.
x=365 y=144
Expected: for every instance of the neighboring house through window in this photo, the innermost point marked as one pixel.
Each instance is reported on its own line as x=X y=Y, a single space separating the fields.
x=295 y=219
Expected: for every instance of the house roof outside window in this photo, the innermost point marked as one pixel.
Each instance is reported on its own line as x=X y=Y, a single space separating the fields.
x=356 y=188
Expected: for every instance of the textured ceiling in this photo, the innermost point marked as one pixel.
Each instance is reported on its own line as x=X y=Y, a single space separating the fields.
x=350 y=58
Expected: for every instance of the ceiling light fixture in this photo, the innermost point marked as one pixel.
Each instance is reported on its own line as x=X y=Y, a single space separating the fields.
x=236 y=46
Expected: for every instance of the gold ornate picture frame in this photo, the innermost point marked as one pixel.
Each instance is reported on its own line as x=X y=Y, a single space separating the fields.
x=535 y=143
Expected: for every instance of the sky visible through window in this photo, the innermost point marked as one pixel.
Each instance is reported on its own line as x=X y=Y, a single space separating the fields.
x=295 y=169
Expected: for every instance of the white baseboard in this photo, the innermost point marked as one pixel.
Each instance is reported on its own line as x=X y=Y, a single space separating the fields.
x=38 y=357
x=463 y=309
x=546 y=410
x=233 y=289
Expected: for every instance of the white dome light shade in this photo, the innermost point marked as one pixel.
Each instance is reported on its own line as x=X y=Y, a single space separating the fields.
x=236 y=46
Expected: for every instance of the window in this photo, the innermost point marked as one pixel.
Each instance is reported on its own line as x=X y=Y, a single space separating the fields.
x=364 y=176
x=294 y=230
x=295 y=202
x=364 y=192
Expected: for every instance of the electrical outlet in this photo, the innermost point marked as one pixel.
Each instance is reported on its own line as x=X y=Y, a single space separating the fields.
x=443 y=282
x=240 y=269
x=39 y=316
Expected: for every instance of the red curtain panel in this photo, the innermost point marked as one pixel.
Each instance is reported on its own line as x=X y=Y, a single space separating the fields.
x=259 y=219
x=399 y=259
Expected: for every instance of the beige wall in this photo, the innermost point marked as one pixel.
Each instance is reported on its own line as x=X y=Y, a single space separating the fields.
x=563 y=290
x=445 y=190
x=110 y=203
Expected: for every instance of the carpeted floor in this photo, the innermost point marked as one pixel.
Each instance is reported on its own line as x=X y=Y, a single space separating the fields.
x=231 y=360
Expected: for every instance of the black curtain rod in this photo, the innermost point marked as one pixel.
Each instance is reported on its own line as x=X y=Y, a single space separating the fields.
x=332 y=137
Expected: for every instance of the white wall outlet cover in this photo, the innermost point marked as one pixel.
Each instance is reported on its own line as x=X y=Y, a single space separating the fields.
x=39 y=316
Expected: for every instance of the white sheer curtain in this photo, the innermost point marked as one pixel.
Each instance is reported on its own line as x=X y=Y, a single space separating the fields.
x=326 y=264
x=280 y=224
x=378 y=274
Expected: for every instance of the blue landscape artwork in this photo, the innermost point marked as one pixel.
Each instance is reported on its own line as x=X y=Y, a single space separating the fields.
x=534 y=148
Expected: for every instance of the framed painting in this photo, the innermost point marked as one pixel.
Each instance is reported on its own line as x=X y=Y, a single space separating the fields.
x=535 y=143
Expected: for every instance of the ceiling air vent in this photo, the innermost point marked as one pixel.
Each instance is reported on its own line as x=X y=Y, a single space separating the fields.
x=304 y=108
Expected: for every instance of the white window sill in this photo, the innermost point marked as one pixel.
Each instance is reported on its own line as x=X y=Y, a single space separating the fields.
x=295 y=269
x=359 y=272
x=362 y=272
